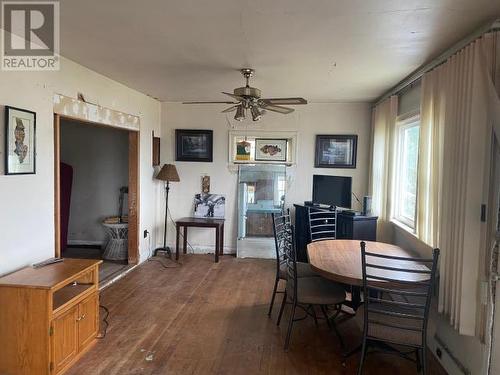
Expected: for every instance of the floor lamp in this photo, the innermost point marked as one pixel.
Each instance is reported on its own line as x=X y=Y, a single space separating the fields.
x=168 y=173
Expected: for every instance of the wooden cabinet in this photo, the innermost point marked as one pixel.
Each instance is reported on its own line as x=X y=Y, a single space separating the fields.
x=48 y=317
x=259 y=224
x=359 y=227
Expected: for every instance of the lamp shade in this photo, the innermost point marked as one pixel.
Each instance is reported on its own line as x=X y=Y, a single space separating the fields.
x=168 y=173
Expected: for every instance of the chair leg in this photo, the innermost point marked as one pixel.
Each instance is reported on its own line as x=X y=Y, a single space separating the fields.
x=283 y=303
x=325 y=314
x=424 y=360
x=362 y=359
x=290 y=326
x=314 y=315
x=419 y=360
x=334 y=326
x=274 y=295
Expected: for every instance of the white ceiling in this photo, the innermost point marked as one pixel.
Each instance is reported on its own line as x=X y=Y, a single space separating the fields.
x=323 y=50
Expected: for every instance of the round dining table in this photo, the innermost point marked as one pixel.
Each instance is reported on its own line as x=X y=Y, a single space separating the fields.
x=340 y=261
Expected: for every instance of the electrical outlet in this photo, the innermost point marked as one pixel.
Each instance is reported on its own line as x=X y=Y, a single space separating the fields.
x=145 y=233
x=439 y=353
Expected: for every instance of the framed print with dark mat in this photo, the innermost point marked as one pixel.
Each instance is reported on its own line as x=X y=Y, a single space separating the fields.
x=194 y=145
x=20 y=141
x=336 y=151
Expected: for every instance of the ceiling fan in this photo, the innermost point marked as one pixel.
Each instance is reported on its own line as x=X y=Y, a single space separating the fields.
x=248 y=98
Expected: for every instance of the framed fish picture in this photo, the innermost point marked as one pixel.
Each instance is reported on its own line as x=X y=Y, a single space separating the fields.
x=270 y=149
x=20 y=141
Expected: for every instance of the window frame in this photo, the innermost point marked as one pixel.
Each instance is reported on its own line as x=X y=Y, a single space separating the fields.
x=403 y=123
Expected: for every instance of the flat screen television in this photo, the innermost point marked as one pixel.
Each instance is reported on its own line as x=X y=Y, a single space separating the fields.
x=332 y=190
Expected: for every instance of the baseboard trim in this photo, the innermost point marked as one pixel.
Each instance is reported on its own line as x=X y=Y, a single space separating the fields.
x=82 y=243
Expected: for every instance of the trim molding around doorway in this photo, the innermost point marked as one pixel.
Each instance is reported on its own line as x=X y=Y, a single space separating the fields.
x=133 y=188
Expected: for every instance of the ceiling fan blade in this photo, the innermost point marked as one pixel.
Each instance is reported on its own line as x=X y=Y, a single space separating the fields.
x=230 y=109
x=239 y=98
x=289 y=101
x=209 y=103
x=277 y=108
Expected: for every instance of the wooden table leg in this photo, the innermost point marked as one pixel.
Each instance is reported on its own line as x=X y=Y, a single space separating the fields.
x=185 y=239
x=217 y=241
x=177 y=233
x=221 y=250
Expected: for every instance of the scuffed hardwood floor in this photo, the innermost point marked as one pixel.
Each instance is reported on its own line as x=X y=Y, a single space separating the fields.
x=207 y=318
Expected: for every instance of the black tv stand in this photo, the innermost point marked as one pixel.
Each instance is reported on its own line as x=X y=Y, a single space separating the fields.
x=354 y=227
x=311 y=204
x=318 y=205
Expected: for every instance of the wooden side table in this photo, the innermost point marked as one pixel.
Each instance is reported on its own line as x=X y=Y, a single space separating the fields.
x=195 y=222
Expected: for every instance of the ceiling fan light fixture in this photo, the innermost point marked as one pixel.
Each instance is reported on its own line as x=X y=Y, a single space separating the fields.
x=256 y=113
x=240 y=113
x=249 y=98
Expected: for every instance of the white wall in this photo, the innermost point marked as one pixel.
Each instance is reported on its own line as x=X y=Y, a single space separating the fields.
x=309 y=120
x=27 y=202
x=99 y=157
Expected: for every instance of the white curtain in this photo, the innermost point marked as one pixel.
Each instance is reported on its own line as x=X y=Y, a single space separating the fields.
x=432 y=111
x=383 y=124
x=457 y=114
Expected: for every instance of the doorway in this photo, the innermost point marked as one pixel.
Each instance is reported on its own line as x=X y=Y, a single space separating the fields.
x=96 y=193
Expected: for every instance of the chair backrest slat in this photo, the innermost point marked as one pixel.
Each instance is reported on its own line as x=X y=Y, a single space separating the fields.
x=428 y=272
x=285 y=249
x=322 y=224
x=397 y=303
x=281 y=227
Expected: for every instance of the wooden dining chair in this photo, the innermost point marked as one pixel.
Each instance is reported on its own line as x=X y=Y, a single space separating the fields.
x=396 y=310
x=322 y=224
x=282 y=228
x=308 y=292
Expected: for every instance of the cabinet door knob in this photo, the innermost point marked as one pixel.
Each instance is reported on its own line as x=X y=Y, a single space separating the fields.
x=80 y=318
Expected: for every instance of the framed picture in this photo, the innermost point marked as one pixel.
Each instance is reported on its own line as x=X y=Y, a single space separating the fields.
x=336 y=151
x=270 y=149
x=210 y=205
x=156 y=151
x=243 y=149
x=20 y=141
x=194 y=145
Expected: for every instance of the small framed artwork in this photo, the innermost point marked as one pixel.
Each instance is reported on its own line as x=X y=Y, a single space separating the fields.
x=210 y=205
x=205 y=184
x=336 y=151
x=20 y=141
x=270 y=149
x=243 y=149
x=194 y=145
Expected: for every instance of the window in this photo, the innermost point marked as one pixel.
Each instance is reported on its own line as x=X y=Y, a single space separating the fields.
x=405 y=178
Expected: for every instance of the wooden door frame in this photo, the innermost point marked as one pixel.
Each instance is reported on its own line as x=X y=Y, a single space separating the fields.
x=133 y=186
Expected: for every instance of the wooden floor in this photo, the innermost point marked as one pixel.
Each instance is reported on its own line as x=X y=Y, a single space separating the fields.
x=207 y=318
